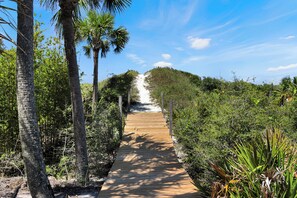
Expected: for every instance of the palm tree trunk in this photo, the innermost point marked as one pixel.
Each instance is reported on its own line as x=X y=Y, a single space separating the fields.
x=95 y=80
x=76 y=97
x=28 y=126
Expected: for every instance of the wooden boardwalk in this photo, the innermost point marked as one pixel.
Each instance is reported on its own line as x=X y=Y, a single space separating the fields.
x=146 y=164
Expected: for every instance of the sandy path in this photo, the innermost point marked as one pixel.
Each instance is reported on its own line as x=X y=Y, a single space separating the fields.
x=145 y=103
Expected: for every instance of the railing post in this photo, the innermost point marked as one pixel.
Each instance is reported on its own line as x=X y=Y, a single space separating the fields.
x=170 y=116
x=121 y=116
x=129 y=99
x=121 y=106
x=162 y=102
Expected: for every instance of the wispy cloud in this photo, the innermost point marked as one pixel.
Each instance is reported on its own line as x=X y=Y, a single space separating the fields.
x=281 y=68
x=166 y=56
x=179 y=49
x=170 y=15
x=215 y=29
x=246 y=59
x=260 y=50
x=275 y=18
x=188 y=12
x=288 y=37
x=193 y=59
x=199 y=43
x=162 y=64
x=136 y=59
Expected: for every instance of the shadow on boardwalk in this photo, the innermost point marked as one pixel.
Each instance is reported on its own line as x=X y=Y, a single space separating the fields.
x=146 y=166
x=145 y=107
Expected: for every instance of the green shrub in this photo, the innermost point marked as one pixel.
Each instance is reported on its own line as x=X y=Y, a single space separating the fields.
x=11 y=164
x=211 y=84
x=51 y=91
x=103 y=138
x=175 y=85
x=109 y=91
x=264 y=167
x=62 y=169
x=211 y=116
x=118 y=85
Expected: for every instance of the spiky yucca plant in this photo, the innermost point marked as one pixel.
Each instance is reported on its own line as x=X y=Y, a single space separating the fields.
x=265 y=167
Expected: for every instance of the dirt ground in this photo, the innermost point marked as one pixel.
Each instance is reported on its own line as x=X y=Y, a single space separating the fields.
x=17 y=187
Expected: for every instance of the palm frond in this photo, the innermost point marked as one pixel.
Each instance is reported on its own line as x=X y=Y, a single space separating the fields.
x=95 y=28
x=105 y=47
x=98 y=30
x=116 y=5
x=106 y=21
x=78 y=24
x=49 y=4
x=87 y=50
x=57 y=20
x=90 y=4
x=8 y=20
x=120 y=39
x=6 y=8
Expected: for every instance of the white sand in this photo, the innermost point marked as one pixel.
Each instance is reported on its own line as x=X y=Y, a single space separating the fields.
x=145 y=103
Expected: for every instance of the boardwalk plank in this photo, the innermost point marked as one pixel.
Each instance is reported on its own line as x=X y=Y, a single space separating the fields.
x=146 y=164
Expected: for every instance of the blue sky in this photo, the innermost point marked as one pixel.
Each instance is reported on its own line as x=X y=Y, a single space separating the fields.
x=219 y=38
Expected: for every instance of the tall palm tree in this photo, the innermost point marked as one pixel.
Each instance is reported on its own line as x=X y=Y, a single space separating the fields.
x=69 y=11
x=28 y=126
x=98 y=30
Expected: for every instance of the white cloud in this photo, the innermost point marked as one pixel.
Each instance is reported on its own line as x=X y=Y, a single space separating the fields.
x=136 y=59
x=288 y=37
x=199 y=43
x=162 y=64
x=180 y=49
x=279 y=68
x=166 y=56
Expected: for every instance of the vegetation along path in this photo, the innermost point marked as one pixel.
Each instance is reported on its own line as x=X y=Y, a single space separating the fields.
x=146 y=164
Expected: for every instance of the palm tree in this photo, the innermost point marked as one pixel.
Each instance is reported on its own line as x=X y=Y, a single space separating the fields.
x=98 y=30
x=69 y=11
x=29 y=132
x=288 y=89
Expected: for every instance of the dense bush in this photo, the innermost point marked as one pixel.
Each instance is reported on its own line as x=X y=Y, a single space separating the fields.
x=54 y=112
x=211 y=84
x=103 y=138
x=174 y=85
x=8 y=107
x=109 y=91
x=51 y=91
x=219 y=114
x=264 y=167
x=104 y=128
x=118 y=85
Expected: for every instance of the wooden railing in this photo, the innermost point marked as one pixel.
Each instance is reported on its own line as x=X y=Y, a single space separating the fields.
x=162 y=109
